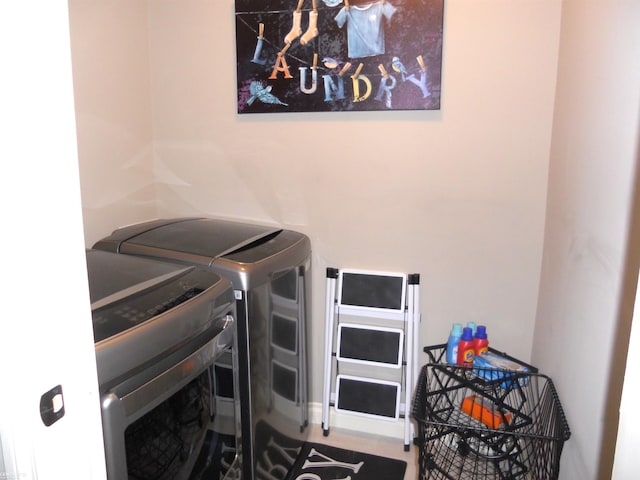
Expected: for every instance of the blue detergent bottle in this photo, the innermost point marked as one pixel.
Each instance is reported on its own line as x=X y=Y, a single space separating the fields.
x=452 y=343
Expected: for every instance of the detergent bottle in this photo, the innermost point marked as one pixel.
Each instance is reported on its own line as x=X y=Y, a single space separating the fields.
x=465 y=348
x=480 y=341
x=452 y=343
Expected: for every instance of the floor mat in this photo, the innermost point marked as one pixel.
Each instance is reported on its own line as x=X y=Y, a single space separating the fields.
x=323 y=462
x=283 y=458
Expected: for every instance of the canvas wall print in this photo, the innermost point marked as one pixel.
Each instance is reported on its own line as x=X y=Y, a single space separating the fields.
x=338 y=55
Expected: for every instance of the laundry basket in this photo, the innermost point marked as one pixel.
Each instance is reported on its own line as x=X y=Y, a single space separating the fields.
x=473 y=427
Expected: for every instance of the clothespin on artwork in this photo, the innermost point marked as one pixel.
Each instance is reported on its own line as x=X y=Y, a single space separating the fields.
x=383 y=71
x=315 y=61
x=344 y=70
x=421 y=63
x=284 y=50
x=259 y=44
x=357 y=72
x=346 y=4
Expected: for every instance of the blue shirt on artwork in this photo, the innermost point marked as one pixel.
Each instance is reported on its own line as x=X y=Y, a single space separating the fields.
x=365 y=29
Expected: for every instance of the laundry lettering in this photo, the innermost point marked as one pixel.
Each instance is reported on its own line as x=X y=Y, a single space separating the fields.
x=422 y=83
x=356 y=78
x=329 y=462
x=303 y=80
x=280 y=66
x=384 y=90
x=331 y=89
x=259 y=44
x=361 y=85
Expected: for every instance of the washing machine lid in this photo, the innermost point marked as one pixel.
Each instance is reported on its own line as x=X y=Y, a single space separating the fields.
x=114 y=277
x=127 y=291
x=204 y=237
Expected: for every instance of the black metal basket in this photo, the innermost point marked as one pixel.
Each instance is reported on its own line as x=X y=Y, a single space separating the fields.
x=473 y=427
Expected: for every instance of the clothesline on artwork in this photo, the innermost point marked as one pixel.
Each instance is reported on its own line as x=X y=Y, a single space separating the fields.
x=259 y=32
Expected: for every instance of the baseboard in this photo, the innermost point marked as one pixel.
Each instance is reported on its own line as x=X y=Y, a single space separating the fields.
x=358 y=423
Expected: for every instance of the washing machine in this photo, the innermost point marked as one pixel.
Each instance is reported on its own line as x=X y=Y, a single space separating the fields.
x=270 y=270
x=160 y=330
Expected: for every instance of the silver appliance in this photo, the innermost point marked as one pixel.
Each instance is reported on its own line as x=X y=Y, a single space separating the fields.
x=270 y=271
x=160 y=330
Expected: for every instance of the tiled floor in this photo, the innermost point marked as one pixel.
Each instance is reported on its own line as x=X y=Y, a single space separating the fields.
x=383 y=446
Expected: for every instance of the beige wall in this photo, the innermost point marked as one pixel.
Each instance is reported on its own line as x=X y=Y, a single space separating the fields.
x=584 y=316
x=113 y=112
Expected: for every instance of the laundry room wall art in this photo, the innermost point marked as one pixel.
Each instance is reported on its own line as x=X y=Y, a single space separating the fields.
x=338 y=55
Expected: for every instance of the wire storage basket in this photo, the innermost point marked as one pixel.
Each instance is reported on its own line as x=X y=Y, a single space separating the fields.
x=474 y=424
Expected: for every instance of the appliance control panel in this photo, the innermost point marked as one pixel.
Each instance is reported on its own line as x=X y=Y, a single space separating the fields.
x=130 y=311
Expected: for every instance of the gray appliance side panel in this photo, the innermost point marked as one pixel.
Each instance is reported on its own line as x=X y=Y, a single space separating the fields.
x=247 y=276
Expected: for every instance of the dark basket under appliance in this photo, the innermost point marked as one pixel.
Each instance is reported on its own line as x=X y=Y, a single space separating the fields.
x=512 y=427
x=159 y=443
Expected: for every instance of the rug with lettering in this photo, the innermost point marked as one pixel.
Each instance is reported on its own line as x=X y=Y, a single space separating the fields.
x=283 y=458
x=322 y=462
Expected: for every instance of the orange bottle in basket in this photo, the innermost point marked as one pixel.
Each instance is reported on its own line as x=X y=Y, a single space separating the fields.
x=475 y=407
x=465 y=348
